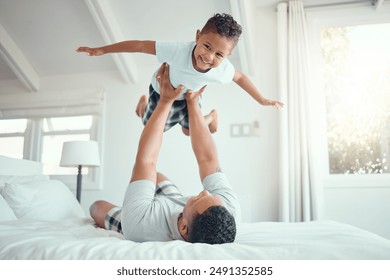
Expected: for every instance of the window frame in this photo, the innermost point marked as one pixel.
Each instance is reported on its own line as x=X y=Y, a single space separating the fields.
x=317 y=20
x=91 y=181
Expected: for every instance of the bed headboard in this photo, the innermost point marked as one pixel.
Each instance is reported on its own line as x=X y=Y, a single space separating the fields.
x=19 y=167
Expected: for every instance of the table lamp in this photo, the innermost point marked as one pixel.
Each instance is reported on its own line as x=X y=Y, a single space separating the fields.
x=79 y=154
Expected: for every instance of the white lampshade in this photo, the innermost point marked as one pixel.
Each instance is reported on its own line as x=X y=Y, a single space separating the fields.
x=75 y=153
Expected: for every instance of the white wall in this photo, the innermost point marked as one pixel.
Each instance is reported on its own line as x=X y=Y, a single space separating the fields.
x=365 y=207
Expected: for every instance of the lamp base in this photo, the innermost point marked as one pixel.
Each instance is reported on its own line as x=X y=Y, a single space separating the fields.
x=79 y=180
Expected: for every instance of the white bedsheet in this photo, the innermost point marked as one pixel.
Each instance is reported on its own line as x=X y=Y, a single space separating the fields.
x=79 y=239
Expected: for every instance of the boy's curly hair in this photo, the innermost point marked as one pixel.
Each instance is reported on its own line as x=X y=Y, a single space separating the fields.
x=224 y=25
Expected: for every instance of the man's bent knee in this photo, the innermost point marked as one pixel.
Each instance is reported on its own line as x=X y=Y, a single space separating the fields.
x=98 y=211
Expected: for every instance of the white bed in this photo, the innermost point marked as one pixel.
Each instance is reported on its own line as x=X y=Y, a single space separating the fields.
x=63 y=231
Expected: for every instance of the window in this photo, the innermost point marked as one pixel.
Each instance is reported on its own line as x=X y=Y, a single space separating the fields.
x=12 y=133
x=356 y=71
x=55 y=132
x=351 y=63
x=49 y=137
x=35 y=126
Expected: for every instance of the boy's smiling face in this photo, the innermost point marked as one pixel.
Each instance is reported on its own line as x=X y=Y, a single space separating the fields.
x=211 y=49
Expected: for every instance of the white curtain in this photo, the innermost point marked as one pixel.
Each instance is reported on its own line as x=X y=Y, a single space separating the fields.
x=299 y=188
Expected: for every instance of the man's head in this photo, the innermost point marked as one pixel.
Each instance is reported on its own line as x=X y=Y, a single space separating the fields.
x=215 y=42
x=206 y=220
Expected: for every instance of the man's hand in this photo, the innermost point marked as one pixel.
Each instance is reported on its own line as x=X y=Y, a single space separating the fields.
x=167 y=92
x=192 y=97
x=91 y=51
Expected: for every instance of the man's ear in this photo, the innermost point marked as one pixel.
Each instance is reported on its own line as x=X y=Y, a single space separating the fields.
x=183 y=228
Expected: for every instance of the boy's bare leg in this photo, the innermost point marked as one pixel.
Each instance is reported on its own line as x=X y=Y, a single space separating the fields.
x=211 y=120
x=140 y=109
x=185 y=131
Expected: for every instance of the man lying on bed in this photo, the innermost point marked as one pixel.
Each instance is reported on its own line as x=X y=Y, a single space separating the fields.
x=153 y=208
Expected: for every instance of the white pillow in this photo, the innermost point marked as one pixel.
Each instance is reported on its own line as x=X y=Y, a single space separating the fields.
x=48 y=200
x=20 y=179
x=16 y=166
x=6 y=213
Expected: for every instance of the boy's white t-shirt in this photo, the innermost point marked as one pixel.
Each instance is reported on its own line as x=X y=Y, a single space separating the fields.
x=179 y=57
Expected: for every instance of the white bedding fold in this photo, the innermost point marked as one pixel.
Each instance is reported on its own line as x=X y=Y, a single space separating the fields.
x=78 y=239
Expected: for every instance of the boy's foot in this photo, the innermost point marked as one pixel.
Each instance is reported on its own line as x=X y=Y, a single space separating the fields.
x=212 y=120
x=141 y=106
x=185 y=131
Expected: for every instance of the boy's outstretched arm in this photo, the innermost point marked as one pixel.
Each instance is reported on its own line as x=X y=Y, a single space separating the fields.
x=131 y=46
x=245 y=83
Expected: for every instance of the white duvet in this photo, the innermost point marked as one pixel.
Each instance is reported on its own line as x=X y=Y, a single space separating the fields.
x=79 y=239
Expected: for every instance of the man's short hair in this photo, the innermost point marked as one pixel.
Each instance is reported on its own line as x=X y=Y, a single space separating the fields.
x=224 y=25
x=214 y=226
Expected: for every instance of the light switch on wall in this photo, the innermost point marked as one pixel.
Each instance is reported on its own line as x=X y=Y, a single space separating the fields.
x=256 y=129
x=235 y=130
x=245 y=129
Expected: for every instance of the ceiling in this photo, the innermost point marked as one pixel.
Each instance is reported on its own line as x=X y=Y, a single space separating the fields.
x=38 y=38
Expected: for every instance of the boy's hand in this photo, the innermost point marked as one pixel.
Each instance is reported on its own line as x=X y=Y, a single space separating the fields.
x=91 y=51
x=192 y=97
x=276 y=104
x=167 y=92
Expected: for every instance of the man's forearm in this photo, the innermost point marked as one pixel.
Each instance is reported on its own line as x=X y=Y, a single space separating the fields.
x=150 y=144
x=202 y=142
x=152 y=135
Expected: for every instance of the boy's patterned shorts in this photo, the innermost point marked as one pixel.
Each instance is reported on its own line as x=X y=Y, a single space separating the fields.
x=113 y=219
x=177 y=115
